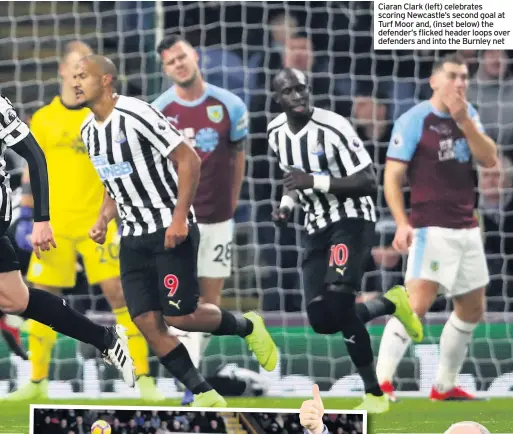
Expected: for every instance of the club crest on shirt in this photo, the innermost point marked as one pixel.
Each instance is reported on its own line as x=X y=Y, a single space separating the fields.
x=318 y=149
x=397 y=140
x=161 y=127
x=121 y=138
x=215 y=113
x=355 y=145
x=10 y=116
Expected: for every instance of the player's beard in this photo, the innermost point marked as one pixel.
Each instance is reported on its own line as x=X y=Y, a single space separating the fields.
x=190 y=81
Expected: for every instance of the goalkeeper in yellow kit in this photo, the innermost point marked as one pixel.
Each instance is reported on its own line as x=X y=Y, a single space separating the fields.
x=76 y=195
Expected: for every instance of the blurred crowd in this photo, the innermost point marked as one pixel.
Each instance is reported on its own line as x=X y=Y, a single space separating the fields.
x=48 y=421
x=273 y=423
x=332 y=43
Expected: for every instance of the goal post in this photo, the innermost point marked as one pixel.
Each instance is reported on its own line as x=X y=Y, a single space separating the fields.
x=240 y=47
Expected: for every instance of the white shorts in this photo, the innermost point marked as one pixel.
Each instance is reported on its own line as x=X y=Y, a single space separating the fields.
x=215 y=249
x=454 y=258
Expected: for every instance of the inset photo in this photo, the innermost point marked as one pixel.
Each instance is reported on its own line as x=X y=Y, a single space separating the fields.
x=49 y=419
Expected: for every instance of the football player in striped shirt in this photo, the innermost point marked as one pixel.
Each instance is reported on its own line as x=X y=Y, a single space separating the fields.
x=328 y=170
x=15 y=297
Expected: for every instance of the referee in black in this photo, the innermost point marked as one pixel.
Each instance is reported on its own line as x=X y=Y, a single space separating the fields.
x=330 y=173
x=135 y=151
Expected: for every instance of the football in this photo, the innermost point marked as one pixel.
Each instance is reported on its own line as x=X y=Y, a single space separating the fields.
x=100 y=427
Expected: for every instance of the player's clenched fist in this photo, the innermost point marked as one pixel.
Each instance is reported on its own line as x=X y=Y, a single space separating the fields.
x=176 y=234
x=280 y=216
x=98 y=233
x=403 y=238
x=42 y=238
x=312 y=411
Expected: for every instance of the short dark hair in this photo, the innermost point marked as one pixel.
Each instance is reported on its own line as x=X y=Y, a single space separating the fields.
x=454 y=58
x=169 y=41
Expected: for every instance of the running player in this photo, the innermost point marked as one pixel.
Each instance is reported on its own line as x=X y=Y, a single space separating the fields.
x=75 y=199
x=328 y=170
x=215 y=121
x=15 y=297
x=135 y=150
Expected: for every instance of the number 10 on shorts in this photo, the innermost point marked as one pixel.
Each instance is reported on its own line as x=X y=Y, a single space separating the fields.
x=338 y=255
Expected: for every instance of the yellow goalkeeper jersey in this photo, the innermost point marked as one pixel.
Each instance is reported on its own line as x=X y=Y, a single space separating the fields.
x=76 y=191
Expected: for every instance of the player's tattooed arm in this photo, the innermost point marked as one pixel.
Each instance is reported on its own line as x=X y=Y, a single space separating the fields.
x=189 y=167
x=239 y=170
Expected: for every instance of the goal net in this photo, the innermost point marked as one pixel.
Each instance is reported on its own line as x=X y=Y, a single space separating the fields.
x=241 y=46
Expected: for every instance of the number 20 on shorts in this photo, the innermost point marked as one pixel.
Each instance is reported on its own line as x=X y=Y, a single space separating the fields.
x=338 y=255
x=171 y=282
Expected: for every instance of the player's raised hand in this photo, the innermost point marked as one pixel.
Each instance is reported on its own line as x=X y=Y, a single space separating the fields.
x=42 y=238
x=176 y=234
x=98 y=233
x=403 y=238
x=312 y=411
x=457 y=105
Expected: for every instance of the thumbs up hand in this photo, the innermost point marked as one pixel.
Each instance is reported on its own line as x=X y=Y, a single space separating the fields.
x=312 y=411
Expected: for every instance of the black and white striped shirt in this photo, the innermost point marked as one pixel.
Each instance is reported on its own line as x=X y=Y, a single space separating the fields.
x=12 y=131
x=129 y=151
x=327 y=145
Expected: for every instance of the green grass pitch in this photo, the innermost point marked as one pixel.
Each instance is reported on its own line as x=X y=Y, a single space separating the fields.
x=412 y=415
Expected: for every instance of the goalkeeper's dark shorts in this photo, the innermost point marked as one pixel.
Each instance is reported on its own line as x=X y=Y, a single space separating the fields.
x=8 y=258
x=337 y=255
x=159 y=279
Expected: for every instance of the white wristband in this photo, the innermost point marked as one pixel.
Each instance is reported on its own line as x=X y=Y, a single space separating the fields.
x=287 y=202
x=321 y=183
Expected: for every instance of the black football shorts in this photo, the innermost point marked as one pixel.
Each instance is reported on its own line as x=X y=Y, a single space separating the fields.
x=337 y=255
x=159 y=279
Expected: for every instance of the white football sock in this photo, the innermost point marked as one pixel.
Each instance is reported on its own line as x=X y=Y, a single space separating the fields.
x=394 y=344
x=454 y=341
x=191 y=341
